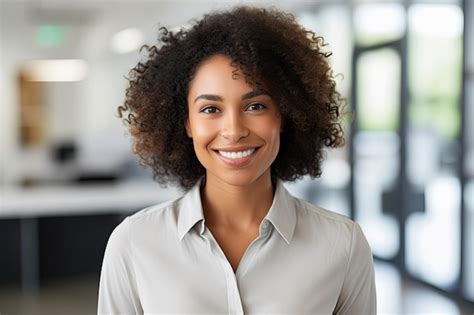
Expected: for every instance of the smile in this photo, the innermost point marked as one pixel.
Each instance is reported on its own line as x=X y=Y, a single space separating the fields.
x=240 y=158
x=237 y=155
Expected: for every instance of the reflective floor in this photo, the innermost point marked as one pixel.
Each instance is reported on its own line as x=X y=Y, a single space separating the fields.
x=78 y=296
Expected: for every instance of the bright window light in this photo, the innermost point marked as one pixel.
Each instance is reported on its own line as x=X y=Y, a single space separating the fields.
x=436 y=20
x=433 y=236
x=379 y=21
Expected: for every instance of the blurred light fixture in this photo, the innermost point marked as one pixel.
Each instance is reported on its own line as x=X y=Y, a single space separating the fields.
x=126 y=41
x=56 y=70
x=435 y=20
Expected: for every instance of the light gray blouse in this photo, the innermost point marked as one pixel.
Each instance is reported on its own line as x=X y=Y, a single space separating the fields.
x=306 y=260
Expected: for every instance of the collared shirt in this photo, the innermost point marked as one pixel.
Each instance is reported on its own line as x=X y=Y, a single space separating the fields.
x=305 y=260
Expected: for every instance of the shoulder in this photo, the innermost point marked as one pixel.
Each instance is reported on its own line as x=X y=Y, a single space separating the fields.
x=338 y=229
x=158 y=217
x=156 y=211
x=320 y=215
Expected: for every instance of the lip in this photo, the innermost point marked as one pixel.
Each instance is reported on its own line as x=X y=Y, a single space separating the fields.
x=243 y=161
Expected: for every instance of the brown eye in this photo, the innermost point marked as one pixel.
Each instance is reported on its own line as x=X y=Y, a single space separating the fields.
x=256 y=106
x=209 y=110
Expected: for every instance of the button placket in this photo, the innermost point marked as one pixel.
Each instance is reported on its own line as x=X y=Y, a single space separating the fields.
x=233 y=295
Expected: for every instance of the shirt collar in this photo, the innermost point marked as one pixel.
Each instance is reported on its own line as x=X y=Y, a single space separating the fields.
x=282 y=213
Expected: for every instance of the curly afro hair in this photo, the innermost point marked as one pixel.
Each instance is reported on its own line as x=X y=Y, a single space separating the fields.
x=275 y=54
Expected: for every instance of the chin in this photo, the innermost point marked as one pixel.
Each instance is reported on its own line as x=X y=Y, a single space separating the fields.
x=238 y=178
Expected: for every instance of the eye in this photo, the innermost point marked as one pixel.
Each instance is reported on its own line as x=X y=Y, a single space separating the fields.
x=256 y=106
x=209 y=110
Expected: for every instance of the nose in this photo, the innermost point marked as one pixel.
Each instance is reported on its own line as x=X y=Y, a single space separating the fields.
x=233 y=127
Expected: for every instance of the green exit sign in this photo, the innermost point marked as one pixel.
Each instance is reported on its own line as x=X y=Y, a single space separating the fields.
x=50 y=36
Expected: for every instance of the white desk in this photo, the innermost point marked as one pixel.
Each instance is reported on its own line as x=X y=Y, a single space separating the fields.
x=29 y=204
x=81 y=200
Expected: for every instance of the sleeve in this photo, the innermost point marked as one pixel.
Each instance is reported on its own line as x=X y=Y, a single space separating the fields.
x=358 y=295
x=118 y=290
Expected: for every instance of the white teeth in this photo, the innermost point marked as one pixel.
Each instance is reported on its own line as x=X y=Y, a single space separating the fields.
x=236 y=155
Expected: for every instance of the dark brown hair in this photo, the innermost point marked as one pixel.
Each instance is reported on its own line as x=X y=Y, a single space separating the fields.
x=274 y=52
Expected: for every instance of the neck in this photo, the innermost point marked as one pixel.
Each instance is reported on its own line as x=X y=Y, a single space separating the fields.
x=236 y=207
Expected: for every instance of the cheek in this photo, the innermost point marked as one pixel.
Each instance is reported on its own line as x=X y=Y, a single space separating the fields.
x=272 y=134
x=203 y=134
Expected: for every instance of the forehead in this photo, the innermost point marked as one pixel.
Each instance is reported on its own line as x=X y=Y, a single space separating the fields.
x=218 y=74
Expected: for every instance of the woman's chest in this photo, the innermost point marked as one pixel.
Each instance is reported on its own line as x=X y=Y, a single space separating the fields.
x=197 y=278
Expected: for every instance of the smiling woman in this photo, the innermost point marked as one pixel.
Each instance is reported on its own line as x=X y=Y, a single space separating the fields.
x=231 y=108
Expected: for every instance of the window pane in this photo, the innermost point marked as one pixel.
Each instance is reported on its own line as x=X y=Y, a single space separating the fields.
x=376 y=161
x=378 y=90
x=376 y=167
x=434 y=69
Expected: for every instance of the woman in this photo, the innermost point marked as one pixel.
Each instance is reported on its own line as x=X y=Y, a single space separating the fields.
x=229 y=109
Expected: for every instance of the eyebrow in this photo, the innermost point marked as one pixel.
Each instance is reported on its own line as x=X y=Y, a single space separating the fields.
x=212 y=97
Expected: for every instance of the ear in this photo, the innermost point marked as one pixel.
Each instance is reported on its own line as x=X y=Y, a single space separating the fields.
x=188 y=129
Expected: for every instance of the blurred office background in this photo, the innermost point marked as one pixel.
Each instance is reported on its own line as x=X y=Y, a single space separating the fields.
x=68 y=176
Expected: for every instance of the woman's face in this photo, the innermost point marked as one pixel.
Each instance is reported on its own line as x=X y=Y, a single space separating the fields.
x=235 y=129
